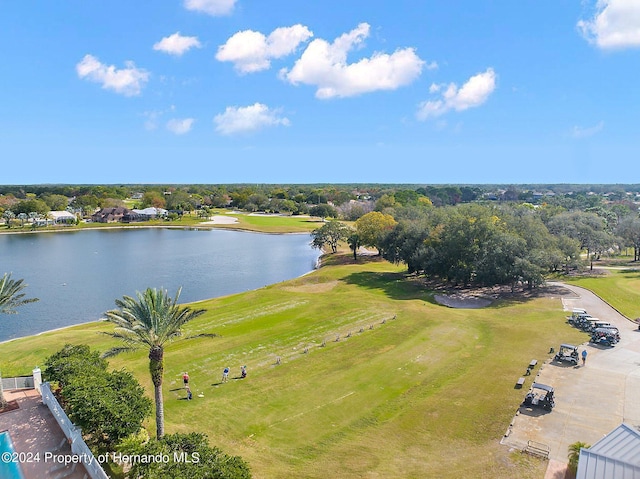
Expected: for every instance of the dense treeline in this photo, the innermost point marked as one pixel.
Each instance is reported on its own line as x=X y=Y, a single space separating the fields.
x=484 y=234
x=298 y=198
x=483 y=242
x=480 y=244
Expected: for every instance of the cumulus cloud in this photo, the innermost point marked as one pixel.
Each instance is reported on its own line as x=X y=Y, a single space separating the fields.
x=210 y=7
x=585 y=132
x=180 y=126
x=472 y=94
x=248 y=118
x=177 y=44
x=615 y=24
x=127 y=81
x=324 y=65
x=252 y=51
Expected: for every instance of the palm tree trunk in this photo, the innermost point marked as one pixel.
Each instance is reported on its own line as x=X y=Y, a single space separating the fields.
x=156 y=368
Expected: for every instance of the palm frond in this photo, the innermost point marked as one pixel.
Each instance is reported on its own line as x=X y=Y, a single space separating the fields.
x=11 y=295
x=152 y=317
x=117 y=350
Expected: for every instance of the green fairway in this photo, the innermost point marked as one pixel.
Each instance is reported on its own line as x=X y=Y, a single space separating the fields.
x=273 y=223
x=428 y=394
x=621 y=289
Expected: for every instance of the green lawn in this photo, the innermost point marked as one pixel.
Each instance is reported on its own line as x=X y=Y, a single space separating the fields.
x=274 y=224
x=621 y=289
x=428 y=394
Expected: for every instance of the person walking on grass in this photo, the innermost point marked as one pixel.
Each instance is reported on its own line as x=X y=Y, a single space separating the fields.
x=189 y=395
x=185 y=379
x=225 y=375
x=584 y=356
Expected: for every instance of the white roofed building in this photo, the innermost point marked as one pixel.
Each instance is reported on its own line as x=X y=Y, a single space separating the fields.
x=62 y=217
x=150 y=213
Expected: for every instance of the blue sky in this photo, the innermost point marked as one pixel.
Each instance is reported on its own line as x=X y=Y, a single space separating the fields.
x=246 y=91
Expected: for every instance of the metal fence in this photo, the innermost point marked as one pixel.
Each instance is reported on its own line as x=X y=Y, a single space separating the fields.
x=22 y=382
x=73 y=433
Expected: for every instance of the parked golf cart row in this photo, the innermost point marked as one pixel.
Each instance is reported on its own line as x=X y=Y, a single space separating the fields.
x=602 y=332
x=543 y=396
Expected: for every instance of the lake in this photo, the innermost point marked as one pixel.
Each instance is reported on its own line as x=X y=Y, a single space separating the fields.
x=78 y=275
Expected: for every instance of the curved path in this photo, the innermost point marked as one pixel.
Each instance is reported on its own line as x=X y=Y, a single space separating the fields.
x=591 y=400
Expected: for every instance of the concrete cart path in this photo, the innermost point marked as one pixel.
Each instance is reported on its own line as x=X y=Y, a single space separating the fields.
x=590 y=400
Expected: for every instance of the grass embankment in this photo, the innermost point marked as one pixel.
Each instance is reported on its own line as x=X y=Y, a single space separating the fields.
x=621 y=289
x=428 y=394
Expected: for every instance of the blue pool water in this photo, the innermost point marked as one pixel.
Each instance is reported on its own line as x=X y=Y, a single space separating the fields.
x=8 y=470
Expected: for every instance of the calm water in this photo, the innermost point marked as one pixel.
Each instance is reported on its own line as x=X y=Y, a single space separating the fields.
x=78 y=275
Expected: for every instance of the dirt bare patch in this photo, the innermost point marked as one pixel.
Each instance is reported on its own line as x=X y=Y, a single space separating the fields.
x=481 y=297
x=462 y=301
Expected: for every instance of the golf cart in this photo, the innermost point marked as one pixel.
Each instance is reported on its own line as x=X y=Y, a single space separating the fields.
x=576 y=315
x=568 y=353
x=604 y=337
x=540 y=395
x=588 y=324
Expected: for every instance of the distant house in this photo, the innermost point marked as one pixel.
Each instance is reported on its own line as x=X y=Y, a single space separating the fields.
x=617 y=455
x=114 y=215
x=62 y=217
x=150 y=213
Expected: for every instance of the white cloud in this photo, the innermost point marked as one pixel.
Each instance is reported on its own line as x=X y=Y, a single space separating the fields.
x=177 y=44
x=127 y=81
x=472 y=94
x=616 y=24
x=210 y=7
x=585 y=132
x=247 y=118
x=324 y=65
x=180 y=126
x=252 y=51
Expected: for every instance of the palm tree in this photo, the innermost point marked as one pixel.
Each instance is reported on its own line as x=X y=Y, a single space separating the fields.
x=574 y=454
x=11 y=297
x=151 y=320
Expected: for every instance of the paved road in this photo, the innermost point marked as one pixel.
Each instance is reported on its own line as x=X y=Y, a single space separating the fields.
x=590 y=400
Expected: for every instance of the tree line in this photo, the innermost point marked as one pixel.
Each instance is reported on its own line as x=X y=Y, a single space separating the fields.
x=488 y=244
x=349 y=201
